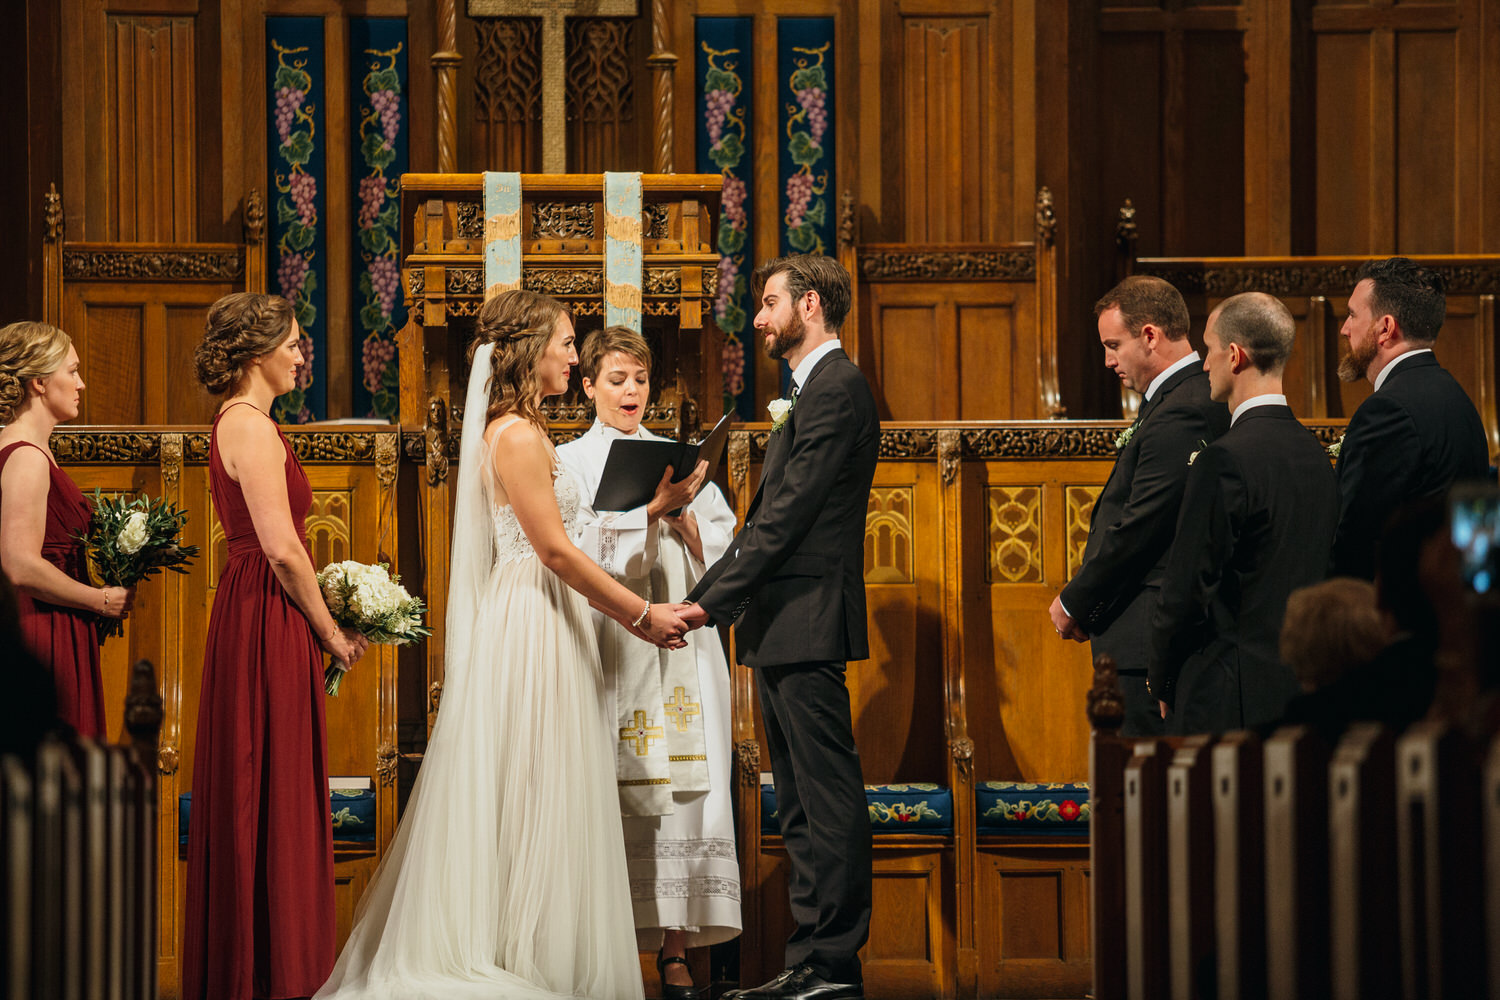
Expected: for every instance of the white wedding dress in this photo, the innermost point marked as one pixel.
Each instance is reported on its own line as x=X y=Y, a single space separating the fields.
x=507 y=876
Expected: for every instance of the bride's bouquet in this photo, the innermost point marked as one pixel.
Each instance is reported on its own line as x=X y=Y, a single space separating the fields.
x=373 y=602
x=129 y=540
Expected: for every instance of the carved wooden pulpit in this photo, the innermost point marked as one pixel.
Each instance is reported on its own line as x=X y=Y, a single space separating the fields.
x=562 y=233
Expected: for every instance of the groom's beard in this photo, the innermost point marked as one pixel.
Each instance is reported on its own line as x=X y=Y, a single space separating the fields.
x=787 y=339
x=1354 y=365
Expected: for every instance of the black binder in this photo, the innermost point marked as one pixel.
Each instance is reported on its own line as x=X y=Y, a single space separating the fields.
x=634 y=466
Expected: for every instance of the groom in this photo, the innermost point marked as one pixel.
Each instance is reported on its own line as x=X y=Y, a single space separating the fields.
x=793 y=580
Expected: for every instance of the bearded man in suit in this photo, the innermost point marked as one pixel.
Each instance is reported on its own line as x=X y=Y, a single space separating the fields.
x=1143 y=327
x=1257 y=523
x=793 y=582
x=1418 y=432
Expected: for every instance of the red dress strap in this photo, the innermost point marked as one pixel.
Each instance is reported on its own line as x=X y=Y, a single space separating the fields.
x=6 y=452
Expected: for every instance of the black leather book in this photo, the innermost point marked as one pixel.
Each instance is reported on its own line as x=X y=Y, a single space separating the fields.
x=634 y=466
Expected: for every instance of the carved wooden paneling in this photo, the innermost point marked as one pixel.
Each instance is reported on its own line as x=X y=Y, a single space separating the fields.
x=1032 y=910
x=508 y=94
x=328 y=526
x=952 y=125
x=1080 y=511
x=952 y=350
x=888 y=536
x=1013 y=534
x=601 y=95
x=1398 y=161
x=150 y=164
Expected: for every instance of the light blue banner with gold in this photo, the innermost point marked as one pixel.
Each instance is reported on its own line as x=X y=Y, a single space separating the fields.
x=502 y=232
x=624 y=257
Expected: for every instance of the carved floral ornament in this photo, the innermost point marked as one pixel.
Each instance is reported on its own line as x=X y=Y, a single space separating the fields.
x=154 y=265
x=1291 y=280
x=947 y=265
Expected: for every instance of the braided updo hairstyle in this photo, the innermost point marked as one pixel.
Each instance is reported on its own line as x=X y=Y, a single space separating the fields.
x=241 y=327
x=520 y=324
x=28 y=351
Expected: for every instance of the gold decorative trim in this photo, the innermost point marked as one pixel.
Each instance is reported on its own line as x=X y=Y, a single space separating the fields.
x=888 y=534
x=961 y=749
x=949 y=444
x=1046 y=218
x=171 y=459
x=255 y=217
x=747 y=756
x=1079 y=504
x=387 y=457
x=154 y=265
x=555 y=220
x=948 y=265
x=385 y=763
x=469 y=221
x=1013 y=534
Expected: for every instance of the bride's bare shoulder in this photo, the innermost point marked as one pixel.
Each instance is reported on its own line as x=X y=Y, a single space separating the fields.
x=514 y=437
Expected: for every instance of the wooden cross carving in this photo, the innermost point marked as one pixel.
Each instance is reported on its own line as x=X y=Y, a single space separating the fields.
x=554 y=58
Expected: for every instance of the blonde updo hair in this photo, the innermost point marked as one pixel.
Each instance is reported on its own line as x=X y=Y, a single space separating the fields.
x=241 y=327
x=520 y=324
x=28 y=350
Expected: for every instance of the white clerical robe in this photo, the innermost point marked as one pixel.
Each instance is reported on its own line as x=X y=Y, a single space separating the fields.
x=683 y=869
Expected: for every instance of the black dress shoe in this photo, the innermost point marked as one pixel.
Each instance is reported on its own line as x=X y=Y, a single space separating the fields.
x=802 y=983
x=765 y=990
x=671 y=991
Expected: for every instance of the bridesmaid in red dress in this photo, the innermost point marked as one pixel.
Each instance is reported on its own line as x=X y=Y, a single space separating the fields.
x=259 y=918
x=42 y=512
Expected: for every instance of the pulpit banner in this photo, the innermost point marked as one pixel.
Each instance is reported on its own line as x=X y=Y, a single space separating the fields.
x=804 y=62
x=624 y=257
x=297 y=164
x=502 y=232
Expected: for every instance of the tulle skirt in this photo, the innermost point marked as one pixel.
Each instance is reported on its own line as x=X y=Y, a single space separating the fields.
x=507 y=875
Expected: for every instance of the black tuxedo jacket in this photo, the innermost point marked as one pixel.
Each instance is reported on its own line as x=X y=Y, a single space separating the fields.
x=1114 y=592
x=793 y=578
x=1257 y=522
x=1410 y=440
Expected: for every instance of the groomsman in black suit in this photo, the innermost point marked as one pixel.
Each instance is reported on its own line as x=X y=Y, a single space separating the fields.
x=1143 y=326
x=1419 y=431
x=793 y=581
x=1257 y=522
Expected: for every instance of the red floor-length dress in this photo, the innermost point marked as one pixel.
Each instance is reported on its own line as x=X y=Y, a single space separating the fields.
x=65 y=640
x=258 y=917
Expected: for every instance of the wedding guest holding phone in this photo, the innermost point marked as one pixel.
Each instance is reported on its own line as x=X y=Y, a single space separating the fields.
x=259 y=915
x=43 y=515
x=674 y=791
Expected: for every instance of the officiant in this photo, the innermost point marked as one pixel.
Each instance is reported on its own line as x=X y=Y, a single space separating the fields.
x=672 y=748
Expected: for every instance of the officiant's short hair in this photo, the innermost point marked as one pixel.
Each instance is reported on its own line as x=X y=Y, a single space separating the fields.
x=1144 y=298
x=811 y=272
x=610 y=340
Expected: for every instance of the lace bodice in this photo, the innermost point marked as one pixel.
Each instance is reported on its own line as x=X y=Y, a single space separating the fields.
x=511 y=543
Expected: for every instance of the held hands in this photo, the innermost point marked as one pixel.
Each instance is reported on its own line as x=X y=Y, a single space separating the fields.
x=661 y=627
x=1065 y=624
x=692 y=614
x=116 y=602
x=346 y=645
x=671 y=496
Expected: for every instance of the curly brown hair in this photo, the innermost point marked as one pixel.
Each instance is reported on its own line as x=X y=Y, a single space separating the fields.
x=28 y=350
x=241 y=327
x=520 y=325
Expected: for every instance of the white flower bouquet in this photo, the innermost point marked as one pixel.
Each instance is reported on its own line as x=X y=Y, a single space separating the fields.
x=129 y=540
x=372 y=601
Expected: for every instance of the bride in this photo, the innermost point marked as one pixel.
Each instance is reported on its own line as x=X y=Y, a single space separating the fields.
x=507 y=877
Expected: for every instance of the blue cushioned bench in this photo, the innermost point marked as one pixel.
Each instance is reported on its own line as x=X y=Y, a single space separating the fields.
x=351 y=811
x=914 y=807
x=1032 y=809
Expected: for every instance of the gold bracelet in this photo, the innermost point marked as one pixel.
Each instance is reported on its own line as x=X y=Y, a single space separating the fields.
x=333 y=633
x=642 y=617
x=106 y=599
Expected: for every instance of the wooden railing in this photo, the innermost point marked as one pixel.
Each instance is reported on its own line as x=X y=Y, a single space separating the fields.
x=1242 y=867
x=78 y=861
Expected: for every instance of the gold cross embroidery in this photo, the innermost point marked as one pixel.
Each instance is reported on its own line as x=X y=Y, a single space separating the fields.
x=642 y=733
x=681 y=709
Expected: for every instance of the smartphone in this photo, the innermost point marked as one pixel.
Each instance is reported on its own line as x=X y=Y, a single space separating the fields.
x=1474 y=519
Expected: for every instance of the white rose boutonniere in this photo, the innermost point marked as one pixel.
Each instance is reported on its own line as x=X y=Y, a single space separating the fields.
x=133 y=536
x=1194 y=456
x=1336 y=447
x=780 y=410
x=1123 y=438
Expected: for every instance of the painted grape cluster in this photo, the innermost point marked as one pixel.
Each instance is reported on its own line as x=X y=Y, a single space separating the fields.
x=379 y=229
x=807 y=124
x=724 y=121
x=296 y=213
